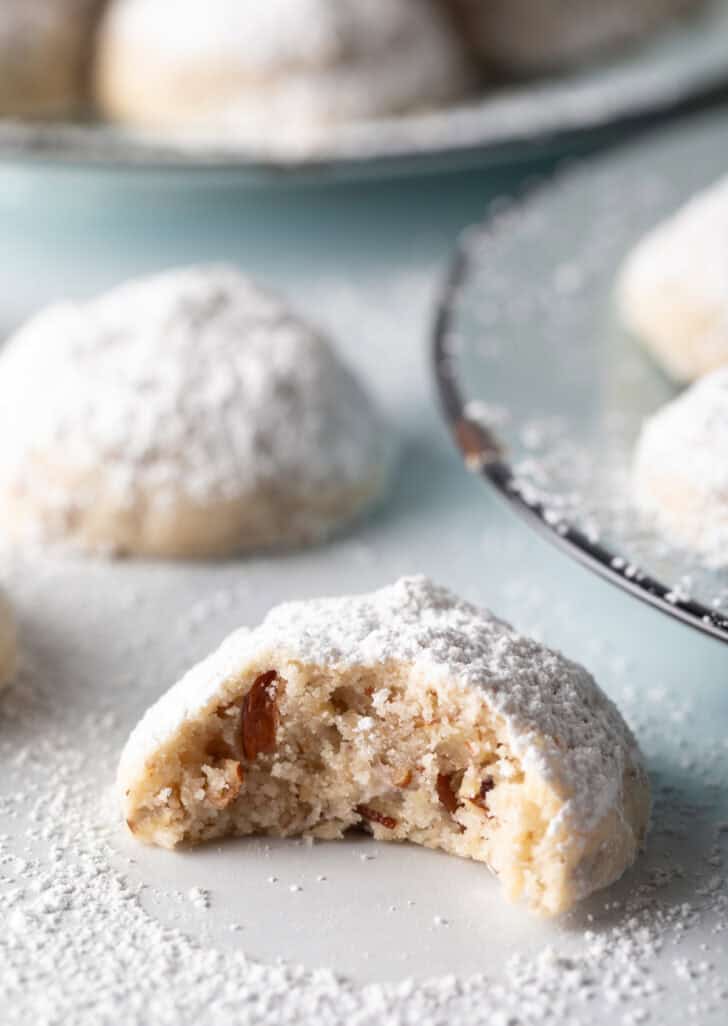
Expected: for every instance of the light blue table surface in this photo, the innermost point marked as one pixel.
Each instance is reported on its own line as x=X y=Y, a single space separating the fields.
x=366 y=260
x=74 y=232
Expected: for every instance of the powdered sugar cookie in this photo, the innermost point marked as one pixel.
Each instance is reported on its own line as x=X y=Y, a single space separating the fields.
x=8 y=642
x=680 y=469
x=407 y=711
x=45 y=49
x=283 y=66
x=673 y=289
x=188 y=414
x=531 y=36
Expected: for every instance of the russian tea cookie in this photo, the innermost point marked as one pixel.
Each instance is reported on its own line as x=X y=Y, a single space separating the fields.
x=680 y=476
x=45 y=48
x=8 y=642
x=187 y=414
x=407 y=711
x=673 y=288
x=530 y=36
x=273 y=67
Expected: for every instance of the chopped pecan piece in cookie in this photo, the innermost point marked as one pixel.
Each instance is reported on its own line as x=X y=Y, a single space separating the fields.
x=374 y=816
x=259 y=716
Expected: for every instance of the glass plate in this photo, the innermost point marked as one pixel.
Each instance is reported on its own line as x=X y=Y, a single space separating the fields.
x=543 y=390
x=676 y=67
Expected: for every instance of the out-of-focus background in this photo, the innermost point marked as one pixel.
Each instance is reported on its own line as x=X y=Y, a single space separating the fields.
x=337 y=150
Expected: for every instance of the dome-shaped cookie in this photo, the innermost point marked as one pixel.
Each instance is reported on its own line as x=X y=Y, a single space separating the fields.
x=187 y=414
x=673 y=288
x=276 y=67
x=531 y=36
x=8 y=642
x=680 y=474
x=407 y=711
x=45 y=54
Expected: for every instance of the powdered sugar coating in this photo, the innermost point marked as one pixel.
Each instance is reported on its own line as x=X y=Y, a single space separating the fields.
x=263 y=67
x=8 y=643
x=673 y=289
x=75 y=894
x=192 y=386
x=270 y=36
x=681 y=472
x=561 y=726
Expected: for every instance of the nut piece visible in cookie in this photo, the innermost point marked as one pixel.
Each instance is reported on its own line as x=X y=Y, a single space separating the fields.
x=417 y=715
x=259 y=716
x=445 y=792
x=374 y=816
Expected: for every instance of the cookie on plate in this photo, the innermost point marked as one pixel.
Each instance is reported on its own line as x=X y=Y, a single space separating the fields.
x=276 y=67
x=188 y=414
x=8 y=642
x=525 y=37
x=409 y=712
x=673 y=287
x=45 y=54
x=680 y=474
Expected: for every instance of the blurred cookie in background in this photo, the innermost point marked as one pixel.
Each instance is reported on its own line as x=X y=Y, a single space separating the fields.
x=525 y=37
x=46 y=56
x=680 y=474
x=8 y=642
x=673 y=288
x=280 y=66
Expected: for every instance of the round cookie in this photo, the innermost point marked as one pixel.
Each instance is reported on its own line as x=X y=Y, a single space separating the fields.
x=45 y=52
x=189 y=414
x=680 y=474
x=406 y=711
x=276 y=67
x=673 y=287
x=8 y=643
x=525 y=37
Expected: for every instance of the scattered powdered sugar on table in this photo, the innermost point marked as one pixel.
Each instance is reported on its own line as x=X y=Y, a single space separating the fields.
x=86 y=935
x=81 y=941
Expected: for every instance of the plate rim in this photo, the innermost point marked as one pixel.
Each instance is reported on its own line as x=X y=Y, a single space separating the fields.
x=88 y=144
x=484 y=455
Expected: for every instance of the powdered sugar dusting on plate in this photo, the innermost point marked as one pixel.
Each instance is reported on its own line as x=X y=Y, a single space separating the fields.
x=576 y=388
x=83 y=938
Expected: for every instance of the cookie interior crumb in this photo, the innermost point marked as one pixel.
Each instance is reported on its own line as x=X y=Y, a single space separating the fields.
x=297 y=750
